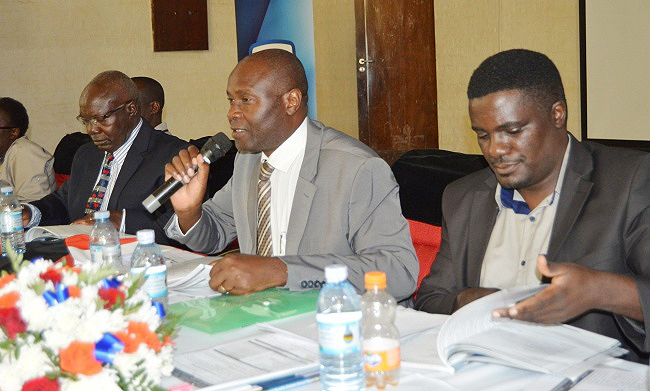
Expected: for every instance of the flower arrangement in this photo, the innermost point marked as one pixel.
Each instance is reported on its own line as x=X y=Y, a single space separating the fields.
x=66 y=327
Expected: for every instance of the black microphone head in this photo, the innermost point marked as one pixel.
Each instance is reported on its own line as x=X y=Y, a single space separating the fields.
x=216 y=147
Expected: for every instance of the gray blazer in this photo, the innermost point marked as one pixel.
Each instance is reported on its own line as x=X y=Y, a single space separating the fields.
x=602 y=222
x=345 y=210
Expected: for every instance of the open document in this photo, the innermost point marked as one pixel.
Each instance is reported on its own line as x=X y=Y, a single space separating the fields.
x=471 y=334
x=247 y=361
x=57 y=231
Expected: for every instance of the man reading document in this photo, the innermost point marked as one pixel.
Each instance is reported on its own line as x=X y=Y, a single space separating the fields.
x=584 y=206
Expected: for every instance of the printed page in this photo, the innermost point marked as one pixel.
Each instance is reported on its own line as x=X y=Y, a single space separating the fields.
x=57 y=231
x=261 y=357
x=476 y=316
x=472 y=334
x=407 y=320
x=610 y=379
x=62 y=231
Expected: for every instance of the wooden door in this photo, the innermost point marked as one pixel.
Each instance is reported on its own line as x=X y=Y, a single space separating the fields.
x=396 y=75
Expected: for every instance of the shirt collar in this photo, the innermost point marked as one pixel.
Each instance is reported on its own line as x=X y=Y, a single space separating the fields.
x=507 y=198
x=121 y=152
x=282 y=158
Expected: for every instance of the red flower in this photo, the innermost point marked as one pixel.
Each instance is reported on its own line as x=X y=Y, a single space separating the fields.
x=51 y=275
x=111 y=295
x=11 y=322
x=41 y=384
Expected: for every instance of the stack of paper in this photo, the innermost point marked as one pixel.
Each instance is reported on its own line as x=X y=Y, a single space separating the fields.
x=189 y=279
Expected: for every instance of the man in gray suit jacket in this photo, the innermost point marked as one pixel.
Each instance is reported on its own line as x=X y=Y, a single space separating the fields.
x=585 y=206
x=333 y=200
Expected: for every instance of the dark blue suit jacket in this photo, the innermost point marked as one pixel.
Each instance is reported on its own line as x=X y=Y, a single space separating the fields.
x=142 y=172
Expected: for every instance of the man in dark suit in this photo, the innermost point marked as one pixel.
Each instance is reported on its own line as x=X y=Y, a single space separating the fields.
x=118 y=170
x=584 y=206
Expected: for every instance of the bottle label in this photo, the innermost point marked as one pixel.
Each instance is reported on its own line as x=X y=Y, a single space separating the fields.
x=381 y=354
x=11 y=222
x=339 y=333
x=95 y=253
x=155 y=283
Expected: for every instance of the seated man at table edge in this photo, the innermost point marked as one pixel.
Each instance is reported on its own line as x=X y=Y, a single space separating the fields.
x=583 y=205
x=25 y=165
x=109 y=109
x=332 y=199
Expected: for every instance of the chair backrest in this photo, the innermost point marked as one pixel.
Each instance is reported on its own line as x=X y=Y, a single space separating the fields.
x=64 y=154
x=423 y=174
x=426 y=241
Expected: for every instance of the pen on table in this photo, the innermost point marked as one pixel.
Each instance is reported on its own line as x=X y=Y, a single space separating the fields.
x=247 y=387
x=288 y=382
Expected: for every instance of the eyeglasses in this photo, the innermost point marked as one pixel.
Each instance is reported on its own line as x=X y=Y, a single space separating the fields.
x=101 y=119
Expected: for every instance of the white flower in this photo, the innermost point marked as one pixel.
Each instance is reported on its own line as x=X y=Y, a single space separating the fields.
x=34 y=310
x=105 y=380
x=82 y=319
x=31 y=363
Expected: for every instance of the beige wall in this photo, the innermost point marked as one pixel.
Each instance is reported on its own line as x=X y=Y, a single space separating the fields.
x=468 y=31
x=51 y=49
x=336 y=71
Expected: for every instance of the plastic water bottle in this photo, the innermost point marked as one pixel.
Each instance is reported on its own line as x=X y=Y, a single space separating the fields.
x=339 y=333
x=11 y=220
x=105 y=242
x=147 y=258
x=380 y=336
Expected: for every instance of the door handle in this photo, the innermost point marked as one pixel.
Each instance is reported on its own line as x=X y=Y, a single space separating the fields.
x=363 y=61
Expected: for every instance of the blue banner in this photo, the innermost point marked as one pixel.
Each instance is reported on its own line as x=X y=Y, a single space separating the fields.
x=288 y=24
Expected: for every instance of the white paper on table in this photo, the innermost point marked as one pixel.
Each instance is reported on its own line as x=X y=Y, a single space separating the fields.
x=250 y=360
x=611 y=379
x=408 y=321
x=82 y=256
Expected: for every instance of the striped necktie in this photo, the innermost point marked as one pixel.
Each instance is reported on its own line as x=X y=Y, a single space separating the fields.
x=264 y=242
x=95 y=199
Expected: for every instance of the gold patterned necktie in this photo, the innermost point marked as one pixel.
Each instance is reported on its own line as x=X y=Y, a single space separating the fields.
x=264 y=242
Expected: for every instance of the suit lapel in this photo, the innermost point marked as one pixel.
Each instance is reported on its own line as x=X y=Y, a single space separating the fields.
x=134 y=158
x=573 y=195
x=305 y=189
x=482 y=217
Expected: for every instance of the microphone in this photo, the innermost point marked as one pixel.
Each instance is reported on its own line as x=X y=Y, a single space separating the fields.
x=215 y=148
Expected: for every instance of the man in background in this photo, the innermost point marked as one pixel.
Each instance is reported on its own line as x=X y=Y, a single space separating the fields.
x=152 y=101
x=118 y=170
x=24 y=164
x=548 y=209
x=302 y=195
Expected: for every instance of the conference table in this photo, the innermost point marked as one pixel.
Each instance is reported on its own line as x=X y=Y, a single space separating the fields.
x=613 y=374
x=212 y=321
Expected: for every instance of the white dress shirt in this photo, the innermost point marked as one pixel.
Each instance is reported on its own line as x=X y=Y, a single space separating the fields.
x=286 y=161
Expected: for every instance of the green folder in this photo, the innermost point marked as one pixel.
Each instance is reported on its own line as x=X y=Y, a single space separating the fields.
x=226 y=312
